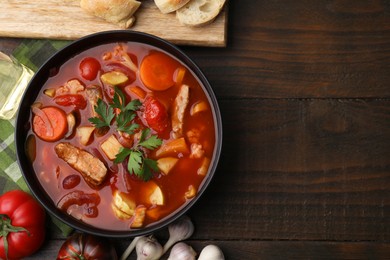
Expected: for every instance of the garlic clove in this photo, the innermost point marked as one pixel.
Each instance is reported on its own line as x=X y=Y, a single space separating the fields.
x=182 y=251
x=179 y=231
x=211 y=252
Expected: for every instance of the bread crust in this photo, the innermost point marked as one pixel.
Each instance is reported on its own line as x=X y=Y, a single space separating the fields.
x=119 y=12
x=168 y=6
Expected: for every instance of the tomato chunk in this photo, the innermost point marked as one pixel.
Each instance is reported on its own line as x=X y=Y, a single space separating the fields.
x=89 y=68
x=75 y=100
x=156 y=115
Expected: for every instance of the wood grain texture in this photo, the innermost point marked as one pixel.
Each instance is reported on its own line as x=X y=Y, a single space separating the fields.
x=64 y=19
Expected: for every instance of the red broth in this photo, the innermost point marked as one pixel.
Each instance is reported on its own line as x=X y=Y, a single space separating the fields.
x=122 y=201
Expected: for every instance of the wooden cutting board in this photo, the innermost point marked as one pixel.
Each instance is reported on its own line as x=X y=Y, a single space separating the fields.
x=64 y=19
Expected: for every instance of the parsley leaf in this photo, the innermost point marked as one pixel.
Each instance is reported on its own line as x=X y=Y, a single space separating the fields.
x=122 y=155
x=105 y=112
x=152 y=143
x=135 y=163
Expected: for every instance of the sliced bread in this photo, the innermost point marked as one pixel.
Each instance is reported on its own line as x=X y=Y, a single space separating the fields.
x=199 y=12
x=168 y=6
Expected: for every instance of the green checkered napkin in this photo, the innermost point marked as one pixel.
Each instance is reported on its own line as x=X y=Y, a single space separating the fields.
x=32 y=53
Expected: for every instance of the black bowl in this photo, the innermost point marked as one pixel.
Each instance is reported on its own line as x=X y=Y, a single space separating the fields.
x=30 y=95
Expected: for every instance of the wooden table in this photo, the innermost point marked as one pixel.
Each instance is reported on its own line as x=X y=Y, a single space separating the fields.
x=304 y=92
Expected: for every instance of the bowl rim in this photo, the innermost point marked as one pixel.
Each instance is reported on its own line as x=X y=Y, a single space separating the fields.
x=66 y=53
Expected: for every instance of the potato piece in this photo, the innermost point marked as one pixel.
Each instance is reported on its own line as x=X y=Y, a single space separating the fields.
x=173 y=147
x=50 y=92
x=114 y=78
x=157 y=198
x=166 y=164
x=190 y=193
x=139 y=217
x=111 y=147
x=152 y=194
x=84 y=133
x=204 y=166
x=198 y=107
x=123 y=206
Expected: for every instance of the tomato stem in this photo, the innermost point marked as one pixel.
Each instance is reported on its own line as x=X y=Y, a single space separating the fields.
x=5 y=228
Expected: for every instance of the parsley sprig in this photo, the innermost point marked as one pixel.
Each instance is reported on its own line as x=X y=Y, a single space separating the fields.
x=138 y=163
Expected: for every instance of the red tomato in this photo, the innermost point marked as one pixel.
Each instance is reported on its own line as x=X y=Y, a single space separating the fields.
x=76 y=100
x=84 y=246
x=89 y=68
x=22 y=228
x=156 y=115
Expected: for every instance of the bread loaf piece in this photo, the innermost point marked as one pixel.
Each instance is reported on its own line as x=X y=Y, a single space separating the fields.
x=119 y=12
x=168 y=6
x=199 y=12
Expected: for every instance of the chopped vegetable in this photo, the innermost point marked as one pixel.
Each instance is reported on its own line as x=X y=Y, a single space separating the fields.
x=89 y=68
x=190 y=193
x=111 y=147
x=154 y=193
x=114 y=78
x=166 y=164
x=75 y=100
x=70 y=118
x=198 y=107
x=50 y=92
x=84 y=133
x=204 y=166
x=180 y=72
x=173 y=147
x=49 y=123
x=156 y=115
x=139 y=217
x=138 y=91
x=157 y=71
x=123 y=206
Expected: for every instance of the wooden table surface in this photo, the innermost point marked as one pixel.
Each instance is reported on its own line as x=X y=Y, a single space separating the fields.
x=304 y=92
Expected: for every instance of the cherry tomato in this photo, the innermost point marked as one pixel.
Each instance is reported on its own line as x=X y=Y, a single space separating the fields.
x=84 y=246
x=89 y=68
x=75 y=100
x=22 y=229
x=156 y=115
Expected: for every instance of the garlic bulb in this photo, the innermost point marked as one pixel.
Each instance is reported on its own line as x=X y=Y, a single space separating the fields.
x=178 y=231
x=182 y=251
x=129 y=249
x=211 y=252
x=148 y=248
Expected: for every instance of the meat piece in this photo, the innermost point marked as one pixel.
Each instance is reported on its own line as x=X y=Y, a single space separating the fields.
x=196 y=151
x=179 y=106
x=91 y=168
x=71 y=87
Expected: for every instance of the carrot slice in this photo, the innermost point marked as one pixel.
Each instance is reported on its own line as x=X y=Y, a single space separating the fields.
x=157 y=71
x=50 y=123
